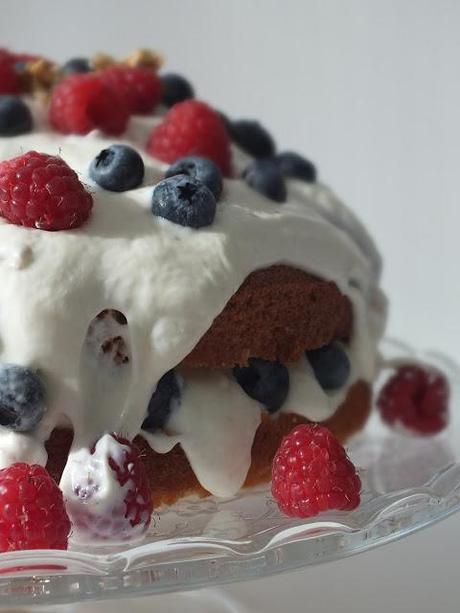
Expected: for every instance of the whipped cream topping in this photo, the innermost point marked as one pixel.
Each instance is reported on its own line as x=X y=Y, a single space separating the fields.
x=170 y=282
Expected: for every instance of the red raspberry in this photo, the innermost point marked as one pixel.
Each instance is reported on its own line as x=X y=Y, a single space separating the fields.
x=9 y=78
x=191 y=128
x=40 y=191
x=140 y=87
x=13 y=58
x=26 y=57
x=4 y=54
x=32 y=511
x=311 y=473
x=416 y=399
x=110 y=496
x=83 y=102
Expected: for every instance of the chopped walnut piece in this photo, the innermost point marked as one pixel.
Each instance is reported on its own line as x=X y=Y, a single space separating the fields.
x=145 y=57
x=39 y=76
x=101 y=61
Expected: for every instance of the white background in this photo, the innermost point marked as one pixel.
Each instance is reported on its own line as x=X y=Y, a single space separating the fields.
x=370 y=90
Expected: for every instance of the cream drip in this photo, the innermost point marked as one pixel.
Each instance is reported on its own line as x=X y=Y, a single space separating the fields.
x=170 y=282
x=215 y=424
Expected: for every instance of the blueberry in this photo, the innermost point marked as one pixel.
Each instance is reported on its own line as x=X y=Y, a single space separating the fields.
x=198 y=168
x=266 y=382
x=22 y=398
x=175 y=89
x=15 y=116
x=265 y=177
x=294 y=165
x=117 y=168
x=164 y=400
x=20 y=66
x=76 y=65
x=330 y=365
x=185 y=201
x=251 y=136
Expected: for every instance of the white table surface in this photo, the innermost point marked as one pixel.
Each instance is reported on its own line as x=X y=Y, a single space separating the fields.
x=371 y=91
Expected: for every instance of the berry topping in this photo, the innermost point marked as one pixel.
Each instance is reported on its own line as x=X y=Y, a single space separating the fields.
x=265 y=178
x=191 y=128
x=227 y=122
x=294 y=165
x=416 y=399
x=165 y=399
x=267 y=382
x=311 y=473
x=40 y=191
x=199 y=168
x=253 y=138
x=76 y=65
x=330 y=365
x=185 y=201
x=9 y=78
x=22 y=398
x=25 y=57
x=107 y=491
x=117 y=168
x=139 y=87
x=83 y=102
x=175 y=89
x=18 y=58
x=15 y=116
x=32 y=511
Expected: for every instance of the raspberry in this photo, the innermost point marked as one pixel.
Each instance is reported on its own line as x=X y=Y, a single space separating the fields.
x=191 y=128
x=311 y=473
x=416 y=399
x=107 y=491
x=140 y=88
x=32 y=511
x=83 y=102
x=38 y=190
x=9 y=78
x=22 y=58
x=4 y=54
x=14 y=58
x=11 y=67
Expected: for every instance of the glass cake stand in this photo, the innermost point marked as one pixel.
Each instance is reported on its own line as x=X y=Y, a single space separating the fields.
x=408 y=484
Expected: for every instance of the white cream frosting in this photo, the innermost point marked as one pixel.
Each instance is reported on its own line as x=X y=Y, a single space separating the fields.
x=170 y=282
x=215 y=423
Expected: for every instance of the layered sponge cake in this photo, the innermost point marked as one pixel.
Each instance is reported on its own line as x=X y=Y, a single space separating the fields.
x=201 y=311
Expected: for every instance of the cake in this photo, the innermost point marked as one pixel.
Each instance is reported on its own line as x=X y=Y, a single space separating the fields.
x=227 y=330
